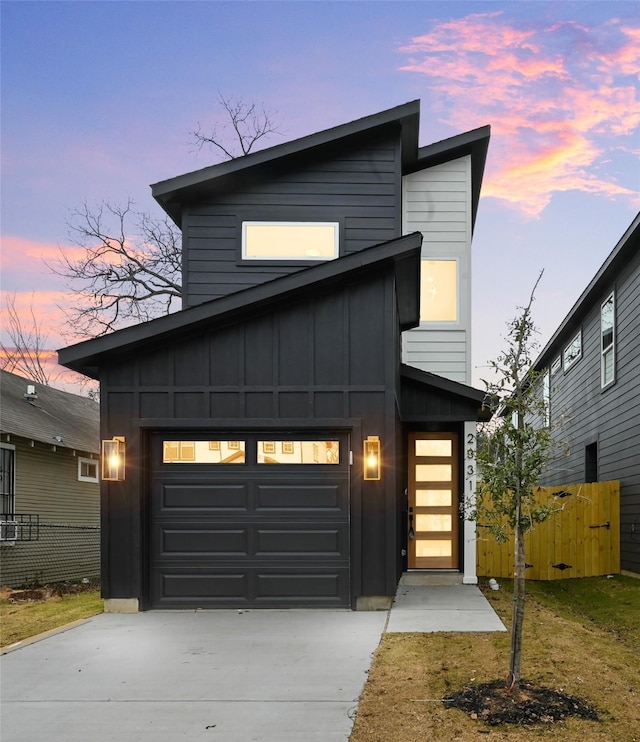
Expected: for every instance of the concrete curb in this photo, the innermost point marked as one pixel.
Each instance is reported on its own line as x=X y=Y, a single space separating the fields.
x=44 y=635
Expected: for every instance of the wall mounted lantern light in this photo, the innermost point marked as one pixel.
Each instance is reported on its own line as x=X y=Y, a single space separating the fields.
x=371 y=458
x=113 y=456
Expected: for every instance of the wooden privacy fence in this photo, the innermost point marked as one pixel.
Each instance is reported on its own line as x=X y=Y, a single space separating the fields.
x=581 y=540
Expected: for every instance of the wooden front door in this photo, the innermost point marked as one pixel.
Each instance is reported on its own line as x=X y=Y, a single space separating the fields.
x=433 y=501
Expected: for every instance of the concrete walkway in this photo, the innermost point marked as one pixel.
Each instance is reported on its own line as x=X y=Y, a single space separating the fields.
x=215 y=676
x=435 y=603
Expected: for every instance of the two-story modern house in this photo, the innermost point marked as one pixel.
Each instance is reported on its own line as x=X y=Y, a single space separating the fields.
x=591 y=371
x=302 y=431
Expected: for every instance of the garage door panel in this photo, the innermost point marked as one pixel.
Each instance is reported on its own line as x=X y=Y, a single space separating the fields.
x=299 y=496
x=299 y=542
x=254 y=587
x=302 y=587
x=175 y=587
x=203 y=541
x=216 y=497
x=287 y=540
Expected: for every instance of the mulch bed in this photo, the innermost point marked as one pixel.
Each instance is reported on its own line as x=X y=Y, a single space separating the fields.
x=535 y=704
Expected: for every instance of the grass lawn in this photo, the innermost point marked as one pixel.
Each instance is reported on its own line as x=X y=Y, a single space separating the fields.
x=22 y=620
x=580 y=636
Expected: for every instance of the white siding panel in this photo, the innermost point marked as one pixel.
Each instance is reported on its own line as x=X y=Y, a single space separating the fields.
x=437 y=202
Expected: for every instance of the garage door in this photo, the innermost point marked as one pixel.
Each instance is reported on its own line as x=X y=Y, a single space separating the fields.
x=249 y=520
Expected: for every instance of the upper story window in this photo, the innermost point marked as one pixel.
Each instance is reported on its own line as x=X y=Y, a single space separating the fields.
x=439 y=291
x=573 y=351
x=290 y=240
x=556 y=365
x=608 y=339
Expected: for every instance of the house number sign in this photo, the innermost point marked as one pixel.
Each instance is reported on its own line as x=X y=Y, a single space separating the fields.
x=470 y=468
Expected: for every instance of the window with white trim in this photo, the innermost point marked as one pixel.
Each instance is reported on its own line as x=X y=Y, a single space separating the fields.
x=607 y=342
x=573 y=351
x=546 y=396
x=290 y=240
x=439 y=291
x=87 y=470
x=7 y=479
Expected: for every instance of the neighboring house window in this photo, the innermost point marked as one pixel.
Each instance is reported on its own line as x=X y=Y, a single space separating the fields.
x=591 y=463
x=87 y=470
x=7 y=479
x=556 y=365
x=608 y=336
x=439 y=291
x=573 y=351
x=290 y=240
x=546 y=397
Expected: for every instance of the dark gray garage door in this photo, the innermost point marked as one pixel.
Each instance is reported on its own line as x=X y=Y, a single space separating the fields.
x=262 y=521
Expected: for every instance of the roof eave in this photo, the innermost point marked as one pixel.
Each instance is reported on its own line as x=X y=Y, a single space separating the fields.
x=474 y=143
x=628 y=243
x=442 y=383
x=404 y=252
x=170 y=193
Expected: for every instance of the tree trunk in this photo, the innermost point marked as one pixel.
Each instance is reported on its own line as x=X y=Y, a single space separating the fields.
x=518 y=608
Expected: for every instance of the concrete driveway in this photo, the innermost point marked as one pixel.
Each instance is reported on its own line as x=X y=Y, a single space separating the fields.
x=215 y=676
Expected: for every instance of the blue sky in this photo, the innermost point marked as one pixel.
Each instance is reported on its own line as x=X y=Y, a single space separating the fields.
x=99 y=99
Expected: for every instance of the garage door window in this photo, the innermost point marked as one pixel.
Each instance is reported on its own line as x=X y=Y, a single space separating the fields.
x=298 y=452
x=203 y=452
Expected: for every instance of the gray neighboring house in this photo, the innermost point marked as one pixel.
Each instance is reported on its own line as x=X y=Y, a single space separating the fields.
x=591 y=372
x=50 y=491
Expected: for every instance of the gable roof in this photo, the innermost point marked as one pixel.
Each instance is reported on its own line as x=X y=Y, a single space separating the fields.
x=474 y=143
x=426 y=397
x=172 y=193
x=627 y=246
x=401 y=255
x=51 y=416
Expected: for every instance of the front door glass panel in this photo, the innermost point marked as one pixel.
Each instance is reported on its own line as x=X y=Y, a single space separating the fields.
x=433 y=501
x=433 y=498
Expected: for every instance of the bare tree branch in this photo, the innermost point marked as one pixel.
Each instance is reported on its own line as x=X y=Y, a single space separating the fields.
x=119 y=279
x=248 y=124
x=27 y=351
x=129 y=267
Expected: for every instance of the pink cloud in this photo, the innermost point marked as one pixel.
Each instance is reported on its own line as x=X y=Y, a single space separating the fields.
x=20 y=254
x=47 y=308
x=559 y=100
x=42 y=312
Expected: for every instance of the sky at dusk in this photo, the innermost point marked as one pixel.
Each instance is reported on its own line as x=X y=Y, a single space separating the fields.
x=99 y=99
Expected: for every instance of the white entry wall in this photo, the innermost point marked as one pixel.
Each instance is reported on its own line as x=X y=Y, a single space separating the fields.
x=437 y=202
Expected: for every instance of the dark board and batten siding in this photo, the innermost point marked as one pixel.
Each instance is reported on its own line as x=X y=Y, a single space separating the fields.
x=609 y=417
x=358 y=186
x=308 y=361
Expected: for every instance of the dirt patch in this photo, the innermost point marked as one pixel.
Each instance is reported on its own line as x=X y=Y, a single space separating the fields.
x=493 y=704
x=42 y=593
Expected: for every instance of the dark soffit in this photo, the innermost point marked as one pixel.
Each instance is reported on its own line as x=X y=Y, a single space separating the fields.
x=467 y=401
x=401 y=255
x=440 y=383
